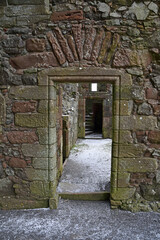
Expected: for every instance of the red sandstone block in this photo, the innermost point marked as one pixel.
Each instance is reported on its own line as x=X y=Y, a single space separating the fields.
x=156 y=109
x=140 y=136
x=67 y=15
x=154 y=136
x=151 y=93
x=23 y=107
x=45 y=59
x=22 y=137
x=35 y=45
x=17 y=163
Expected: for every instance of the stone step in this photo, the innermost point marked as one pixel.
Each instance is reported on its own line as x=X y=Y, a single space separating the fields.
x=87 y=196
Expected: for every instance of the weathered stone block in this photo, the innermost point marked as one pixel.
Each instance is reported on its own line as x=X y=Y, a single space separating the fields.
x=14 y=203
x=122 y=193
x=35 y=45
x=27 y=10
x=17 y=137
x=26 y=20
x=35 y=150
x=17 y=163
x=29 y=92
x=7 y=21
x=43 y=135
x=6 y=187
x=152 y=93
x=150 y=192
x=2 y=109
x=138 y=123
x=125 y=92
x=40 y=163
x=52 y=135
x=156 y=109
x=154 y=136
x=46 y=59
x=126 y=107
x=123 y=179
x=138 y=164
x=131 y=150
x=43 y=106
x=67 y=15
x=52 y=150
x=145 y=109
x=32 y=120
x=36 y=174
x=40 y=189
x=23 y=107
x=125 y=137
x=138 y=93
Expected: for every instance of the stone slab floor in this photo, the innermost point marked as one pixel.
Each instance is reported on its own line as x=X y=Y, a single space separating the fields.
x=88 y=167
x=79 y=220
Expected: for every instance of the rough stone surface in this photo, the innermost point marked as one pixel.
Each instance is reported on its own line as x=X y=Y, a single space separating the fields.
x=17 y=163
x=35 y=150
x=6 y=187
x=28 y=92
x=68 y=15
x=33 y=120
x=23 y=107
x=140 y=10
x=138 y=164
x=22 y=137
x=154 y=136
x=145 y=109
x=34 y=60
x=57 y=49
x=35 y=45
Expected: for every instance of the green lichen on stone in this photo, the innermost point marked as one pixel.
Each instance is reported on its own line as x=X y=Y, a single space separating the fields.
x=123 y=179
x=43 y=106
x=7 y=203
x=40 y=189
x=31 y=120
x=115 y=43
x=122 y=193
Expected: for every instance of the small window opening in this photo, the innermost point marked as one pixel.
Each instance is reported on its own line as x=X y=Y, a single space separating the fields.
x=94 y=87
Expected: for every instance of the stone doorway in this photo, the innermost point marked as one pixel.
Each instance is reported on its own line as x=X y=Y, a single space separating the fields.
x=74 y=75
x=93 y=117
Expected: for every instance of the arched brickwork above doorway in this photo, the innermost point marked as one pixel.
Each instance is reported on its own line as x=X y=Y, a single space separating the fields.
x=81 y=43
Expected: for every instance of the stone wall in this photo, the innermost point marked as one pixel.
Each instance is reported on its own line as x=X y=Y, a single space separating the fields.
x=119 y=34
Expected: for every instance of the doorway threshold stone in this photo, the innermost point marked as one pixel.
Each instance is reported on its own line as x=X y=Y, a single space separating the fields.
x=88 y=196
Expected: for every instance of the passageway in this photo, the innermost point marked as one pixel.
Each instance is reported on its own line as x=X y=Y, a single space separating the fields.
x=88 y=167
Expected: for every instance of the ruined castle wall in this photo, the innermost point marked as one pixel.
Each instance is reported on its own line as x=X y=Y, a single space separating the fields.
x=119 y=34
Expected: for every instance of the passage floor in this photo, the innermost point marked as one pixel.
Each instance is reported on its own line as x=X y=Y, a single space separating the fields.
x=88 y=167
